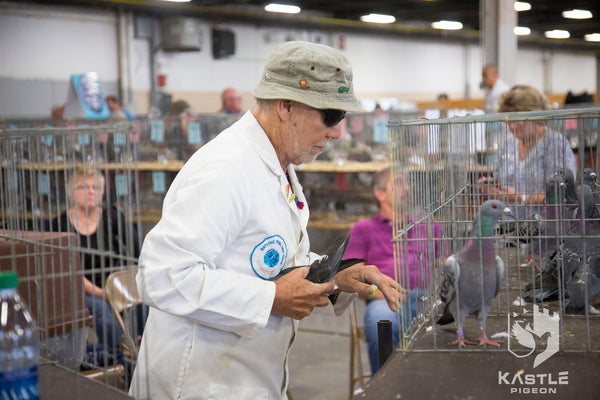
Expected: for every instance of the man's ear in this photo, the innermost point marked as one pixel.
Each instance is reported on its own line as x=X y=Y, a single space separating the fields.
x=284 y=109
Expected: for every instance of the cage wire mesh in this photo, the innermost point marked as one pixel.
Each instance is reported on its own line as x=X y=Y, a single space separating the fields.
x=44 y=171
x=550 y=248
x=48 y=168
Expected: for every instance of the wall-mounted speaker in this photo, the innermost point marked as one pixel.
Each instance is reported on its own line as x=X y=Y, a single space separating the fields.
x=223 y=43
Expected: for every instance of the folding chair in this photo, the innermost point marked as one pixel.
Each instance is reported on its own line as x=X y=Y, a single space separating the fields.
x=122 y=294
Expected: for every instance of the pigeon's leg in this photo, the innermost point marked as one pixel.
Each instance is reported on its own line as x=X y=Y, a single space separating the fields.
x=484 y=339
x=461 y=341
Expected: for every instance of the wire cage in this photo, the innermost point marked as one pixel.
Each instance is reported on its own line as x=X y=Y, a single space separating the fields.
x=123 y=168
x=45 y=163
x=44 y=170
x=445 y=169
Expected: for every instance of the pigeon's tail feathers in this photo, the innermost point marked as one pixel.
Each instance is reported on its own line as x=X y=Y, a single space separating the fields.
x=541 y=295
x=446 y=318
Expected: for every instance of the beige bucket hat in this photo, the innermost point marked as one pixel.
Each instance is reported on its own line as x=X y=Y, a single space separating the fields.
x=313 y=74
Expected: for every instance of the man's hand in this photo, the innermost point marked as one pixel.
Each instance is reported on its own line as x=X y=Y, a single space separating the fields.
x=296 y=297
x=359 y=278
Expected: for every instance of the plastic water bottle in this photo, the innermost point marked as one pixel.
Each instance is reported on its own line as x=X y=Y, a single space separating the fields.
x=19 y=344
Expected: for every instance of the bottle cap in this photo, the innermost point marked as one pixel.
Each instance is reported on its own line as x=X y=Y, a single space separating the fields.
x=8 y=280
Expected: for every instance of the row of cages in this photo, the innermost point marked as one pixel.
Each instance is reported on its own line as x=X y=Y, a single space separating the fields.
x=436 y=165
x=175 y=137
x=547 y=236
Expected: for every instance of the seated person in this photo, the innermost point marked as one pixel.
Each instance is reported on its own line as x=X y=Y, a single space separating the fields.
x=526 y=164
x=372 y=240
x=97 y=228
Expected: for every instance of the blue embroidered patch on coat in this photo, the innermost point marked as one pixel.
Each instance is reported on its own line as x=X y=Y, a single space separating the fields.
x=269 y=257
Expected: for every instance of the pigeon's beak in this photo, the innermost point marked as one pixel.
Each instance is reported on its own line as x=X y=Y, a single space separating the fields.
x=507 y=214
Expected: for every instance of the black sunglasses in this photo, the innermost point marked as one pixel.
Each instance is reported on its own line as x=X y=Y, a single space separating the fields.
x=332 y=117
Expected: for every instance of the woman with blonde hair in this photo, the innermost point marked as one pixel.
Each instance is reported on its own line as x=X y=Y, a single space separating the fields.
x=97 y=228
x=532 y=155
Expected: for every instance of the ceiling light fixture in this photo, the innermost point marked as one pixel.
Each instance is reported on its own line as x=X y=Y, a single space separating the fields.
x=521 y=30
x=557 y=34
x=178 y=1
x=592 y=37
x=378 y=18
x=282 y=8
x=522 y=6
x=448 y=25
x=577 y=14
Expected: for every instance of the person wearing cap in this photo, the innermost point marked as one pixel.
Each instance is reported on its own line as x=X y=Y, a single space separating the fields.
x=222 y=316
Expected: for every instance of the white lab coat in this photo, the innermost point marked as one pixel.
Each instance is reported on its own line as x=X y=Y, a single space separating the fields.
x=229 y=223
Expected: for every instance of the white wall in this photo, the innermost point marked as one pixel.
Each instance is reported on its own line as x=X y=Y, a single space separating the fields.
x=38 y=45
x=41 y=47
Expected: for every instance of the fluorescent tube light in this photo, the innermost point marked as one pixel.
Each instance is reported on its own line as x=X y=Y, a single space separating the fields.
x=592 y=37
x=522 y=6
x=557 y=34
x=282 y=8
x=449 y=25
x=178 y=1
x=378 y=18
x=577 y=14
x=521 y=30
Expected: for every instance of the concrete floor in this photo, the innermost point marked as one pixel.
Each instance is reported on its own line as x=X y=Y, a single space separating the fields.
x=320 y=359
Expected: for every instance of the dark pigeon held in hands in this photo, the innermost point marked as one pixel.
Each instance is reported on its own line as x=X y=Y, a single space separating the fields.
x=472 y=277
x=324 y=270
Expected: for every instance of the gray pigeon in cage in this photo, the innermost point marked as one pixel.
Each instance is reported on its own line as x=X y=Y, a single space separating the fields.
x=472 y=277
x=580 y=242
x=541 y=230
x=553 y=221
x=589 y=179
x=584 y=285
x=571 y=200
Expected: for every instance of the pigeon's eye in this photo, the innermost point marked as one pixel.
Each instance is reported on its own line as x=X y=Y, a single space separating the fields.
x=494 y=205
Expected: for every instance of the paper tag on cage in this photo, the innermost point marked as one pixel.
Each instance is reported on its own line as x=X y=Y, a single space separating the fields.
x=158 y=182
x=43 y=184
x=157 y=131
x=380 y=130
x=119 y=139
x=121 y=187
x=194 y=133
x=83 y=139
x=48 y=140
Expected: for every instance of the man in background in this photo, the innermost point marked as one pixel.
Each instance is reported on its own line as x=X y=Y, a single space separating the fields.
x=372 y=240
x=494 y=85
x=116 y=110
x=231 y=101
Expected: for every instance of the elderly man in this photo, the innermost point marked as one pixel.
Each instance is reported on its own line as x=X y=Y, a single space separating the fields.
x=223 y=316
x=495 y=87
x=231 y=101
